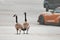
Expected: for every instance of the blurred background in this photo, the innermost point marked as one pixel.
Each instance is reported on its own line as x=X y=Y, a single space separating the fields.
x=33 y=8
x=10 y=7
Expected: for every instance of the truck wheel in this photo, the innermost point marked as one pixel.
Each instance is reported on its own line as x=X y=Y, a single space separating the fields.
x=41 y=18
x=47 y=8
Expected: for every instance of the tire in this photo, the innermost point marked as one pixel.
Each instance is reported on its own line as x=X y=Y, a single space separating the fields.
x=47 y=8
x=41 y=20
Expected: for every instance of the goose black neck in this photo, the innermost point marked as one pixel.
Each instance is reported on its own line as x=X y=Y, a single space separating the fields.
x=25 y=17
x=16 y=19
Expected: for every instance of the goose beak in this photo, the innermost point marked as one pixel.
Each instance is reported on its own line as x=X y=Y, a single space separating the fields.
x=14 y=15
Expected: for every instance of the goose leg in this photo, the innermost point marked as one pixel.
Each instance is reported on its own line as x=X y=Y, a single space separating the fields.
x=27 y=31
x=20 y=32
x=17 y=31
x=23 y=32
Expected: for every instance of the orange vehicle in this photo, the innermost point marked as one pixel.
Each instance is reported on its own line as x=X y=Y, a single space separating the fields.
x=52 y=17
